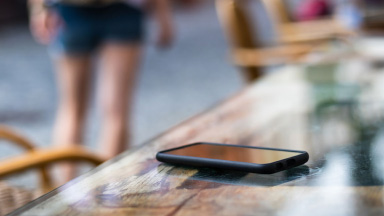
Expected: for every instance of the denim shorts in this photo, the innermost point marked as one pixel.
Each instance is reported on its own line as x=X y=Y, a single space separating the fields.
x=85 y=28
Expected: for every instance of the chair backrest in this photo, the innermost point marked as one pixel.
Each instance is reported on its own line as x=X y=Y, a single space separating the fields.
x=238 y=27
x=290 y=31
x=278 y=11
x=279 y=15
x=40 y=158
x=236 y=23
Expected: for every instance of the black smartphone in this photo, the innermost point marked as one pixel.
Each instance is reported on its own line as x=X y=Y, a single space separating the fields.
x=234 y=157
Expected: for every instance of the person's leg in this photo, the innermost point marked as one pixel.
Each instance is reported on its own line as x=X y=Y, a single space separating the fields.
x=120 y=63
x=73 y=73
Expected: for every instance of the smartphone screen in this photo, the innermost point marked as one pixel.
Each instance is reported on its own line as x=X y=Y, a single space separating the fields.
x=231 y=153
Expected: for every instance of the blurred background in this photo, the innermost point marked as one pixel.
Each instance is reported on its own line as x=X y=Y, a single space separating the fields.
x=220 y=47
x=175 y=84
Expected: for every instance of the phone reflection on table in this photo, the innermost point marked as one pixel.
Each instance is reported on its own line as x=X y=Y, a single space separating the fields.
x=220 y=176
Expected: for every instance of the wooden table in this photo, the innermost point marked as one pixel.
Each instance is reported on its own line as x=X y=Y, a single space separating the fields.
x=333 y=111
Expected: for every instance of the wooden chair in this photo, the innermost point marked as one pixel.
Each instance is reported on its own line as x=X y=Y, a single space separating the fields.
x=372 y=16
x=247 y=52
x=34 y=158
x=289 y=31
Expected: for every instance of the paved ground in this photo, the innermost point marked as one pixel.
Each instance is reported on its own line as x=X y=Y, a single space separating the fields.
x=173 y=86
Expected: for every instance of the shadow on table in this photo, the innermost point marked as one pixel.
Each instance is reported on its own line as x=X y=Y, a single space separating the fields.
x=239 y=178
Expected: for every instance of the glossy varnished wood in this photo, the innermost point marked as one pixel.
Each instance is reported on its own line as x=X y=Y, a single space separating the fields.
x=293 y=109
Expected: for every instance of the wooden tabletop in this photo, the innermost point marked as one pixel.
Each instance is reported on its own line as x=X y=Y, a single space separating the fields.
x=333 y=111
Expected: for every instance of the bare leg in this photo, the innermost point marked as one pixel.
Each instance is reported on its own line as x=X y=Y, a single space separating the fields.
x=73 y=78
x=119 y=65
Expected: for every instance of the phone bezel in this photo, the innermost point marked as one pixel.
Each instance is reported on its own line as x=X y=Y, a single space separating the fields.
x=267 y=168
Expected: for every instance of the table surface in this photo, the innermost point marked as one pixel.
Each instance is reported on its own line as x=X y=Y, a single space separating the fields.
x=334 y=111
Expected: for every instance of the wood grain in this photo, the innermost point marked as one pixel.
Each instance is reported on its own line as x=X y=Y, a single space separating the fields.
x=286 y=109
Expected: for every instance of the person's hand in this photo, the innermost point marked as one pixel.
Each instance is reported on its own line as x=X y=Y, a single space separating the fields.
x=165 y=36
x=44 y=25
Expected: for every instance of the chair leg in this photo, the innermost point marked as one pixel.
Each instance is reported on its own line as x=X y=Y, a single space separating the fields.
x=15 y=138
x=46 y=183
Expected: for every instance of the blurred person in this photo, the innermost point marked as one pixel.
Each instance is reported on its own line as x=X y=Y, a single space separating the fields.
x=76 y=30
x=313 y=9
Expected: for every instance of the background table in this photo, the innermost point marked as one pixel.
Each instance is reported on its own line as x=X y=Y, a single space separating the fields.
x=333 y=110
